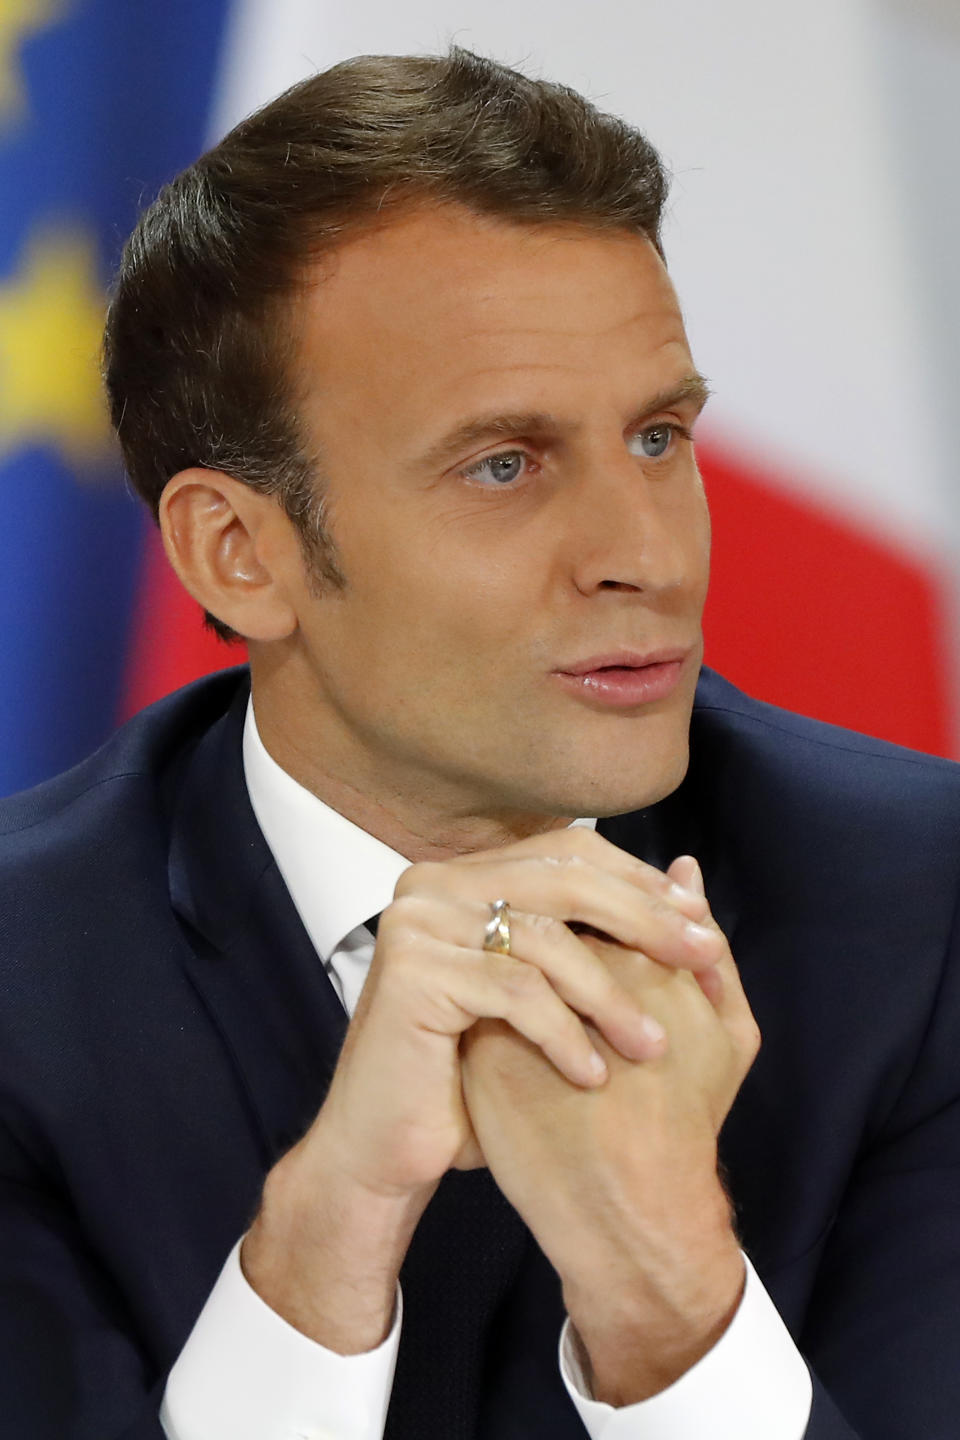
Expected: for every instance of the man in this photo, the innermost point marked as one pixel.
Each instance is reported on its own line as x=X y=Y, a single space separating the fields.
x=401 y=371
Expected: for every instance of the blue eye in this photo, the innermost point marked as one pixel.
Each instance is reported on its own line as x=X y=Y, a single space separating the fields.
x=500 y=469
x=653 y=442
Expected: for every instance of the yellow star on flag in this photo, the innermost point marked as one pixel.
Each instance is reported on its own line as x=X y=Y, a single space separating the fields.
x=51 y=321
x=19 y=18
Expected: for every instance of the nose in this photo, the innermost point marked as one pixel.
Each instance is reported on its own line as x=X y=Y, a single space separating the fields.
x=638 y=527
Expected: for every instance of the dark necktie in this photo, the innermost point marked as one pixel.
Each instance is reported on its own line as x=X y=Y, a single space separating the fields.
x=462 y=1264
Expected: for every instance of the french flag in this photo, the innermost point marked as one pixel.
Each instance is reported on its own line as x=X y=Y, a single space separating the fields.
x=812 y=236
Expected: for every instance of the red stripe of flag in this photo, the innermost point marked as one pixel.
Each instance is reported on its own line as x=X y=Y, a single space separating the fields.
x=170 y=644
x=810 y=613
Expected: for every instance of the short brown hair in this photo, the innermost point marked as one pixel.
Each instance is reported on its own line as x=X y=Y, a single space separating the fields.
x=200 y=337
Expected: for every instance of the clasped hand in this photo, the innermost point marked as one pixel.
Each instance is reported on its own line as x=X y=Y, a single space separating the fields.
x=590 y=1068
x=579 y=1001
x=619 y=1184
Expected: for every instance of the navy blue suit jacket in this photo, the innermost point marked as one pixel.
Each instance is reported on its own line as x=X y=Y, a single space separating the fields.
x=166 y=1031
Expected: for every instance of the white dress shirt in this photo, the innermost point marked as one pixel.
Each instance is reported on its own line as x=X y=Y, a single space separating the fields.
x=245 y=1374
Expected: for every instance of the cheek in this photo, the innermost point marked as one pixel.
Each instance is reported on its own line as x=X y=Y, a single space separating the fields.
x=452 y=594
x=700 y=532
x=426 y=610
x=706 y=524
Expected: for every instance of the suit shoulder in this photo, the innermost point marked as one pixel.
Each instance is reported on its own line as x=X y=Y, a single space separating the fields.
x=83 y=810
x=831 y=765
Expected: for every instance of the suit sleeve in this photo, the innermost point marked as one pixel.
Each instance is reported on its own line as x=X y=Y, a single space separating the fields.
x=72 y=1366
x=69 y=1369
x=883 y=1330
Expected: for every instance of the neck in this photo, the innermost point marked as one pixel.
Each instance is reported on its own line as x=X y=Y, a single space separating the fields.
x=414 y=820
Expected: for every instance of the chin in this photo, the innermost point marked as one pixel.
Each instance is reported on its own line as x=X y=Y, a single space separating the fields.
x=624 y=787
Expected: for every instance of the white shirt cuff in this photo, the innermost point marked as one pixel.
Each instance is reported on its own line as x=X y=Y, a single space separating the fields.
x=753 y=1385
x=245 y=1374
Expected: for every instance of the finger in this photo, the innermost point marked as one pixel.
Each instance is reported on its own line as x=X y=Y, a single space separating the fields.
x=587 y=985
x=571 y=888
x=519 y=994
x=711 y=983
x=685 y=870
x=581 y=979
x=583 y=841
x=722 y=985
x=440 y=988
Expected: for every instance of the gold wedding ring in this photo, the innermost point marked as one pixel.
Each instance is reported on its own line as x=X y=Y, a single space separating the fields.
x=496 y=937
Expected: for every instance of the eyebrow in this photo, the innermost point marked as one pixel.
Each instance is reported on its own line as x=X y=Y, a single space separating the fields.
x=538 y=424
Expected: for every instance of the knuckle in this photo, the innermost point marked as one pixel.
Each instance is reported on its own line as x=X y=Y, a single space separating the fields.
x=576 y=875
x=406 y=883
x=522 y=982
x=573 y=861
x=586 y=841
x=550 y=928
x=404 y=914
x=661 y=912
x=576 y=839
x=657 y=880
x=745 y=1042
x=418 y=877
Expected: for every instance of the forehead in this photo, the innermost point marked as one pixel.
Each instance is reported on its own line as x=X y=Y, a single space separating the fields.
x=444 y=308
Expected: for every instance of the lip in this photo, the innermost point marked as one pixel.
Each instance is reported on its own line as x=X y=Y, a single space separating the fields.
x=623 y=679
x=624 y=660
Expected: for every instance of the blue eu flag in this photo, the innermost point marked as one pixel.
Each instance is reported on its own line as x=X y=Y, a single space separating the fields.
x=101 y=101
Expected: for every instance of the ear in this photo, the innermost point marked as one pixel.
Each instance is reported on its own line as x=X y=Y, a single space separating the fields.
x=231 y=548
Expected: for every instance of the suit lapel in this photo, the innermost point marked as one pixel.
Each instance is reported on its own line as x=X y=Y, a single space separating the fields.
x=282 y=1025
x=684 y=823
x=248 y=955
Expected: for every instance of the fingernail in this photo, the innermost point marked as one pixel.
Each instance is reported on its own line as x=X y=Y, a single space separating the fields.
x=699 y=936
x=598 y=1066
x=653 y=1030
x=694 y=875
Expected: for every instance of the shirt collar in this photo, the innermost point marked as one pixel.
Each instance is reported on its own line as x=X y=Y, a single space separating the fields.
x=338 y=875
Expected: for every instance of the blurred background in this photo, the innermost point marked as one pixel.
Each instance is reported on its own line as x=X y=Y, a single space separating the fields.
x=813 y=236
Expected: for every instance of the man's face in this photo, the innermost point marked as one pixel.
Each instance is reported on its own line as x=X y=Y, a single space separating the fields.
x=502 y=415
